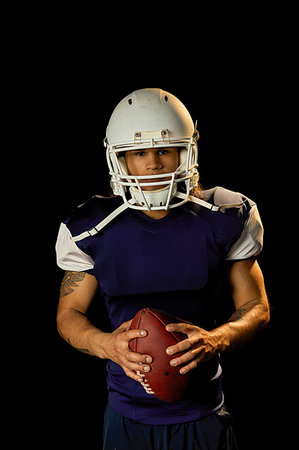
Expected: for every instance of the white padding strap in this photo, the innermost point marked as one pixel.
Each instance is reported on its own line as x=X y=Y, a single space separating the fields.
x=103 y=223
x=199 y=201
x=94 y=230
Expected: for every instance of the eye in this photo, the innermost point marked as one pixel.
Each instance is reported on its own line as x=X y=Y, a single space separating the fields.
x=139 y=153
x=163 y=152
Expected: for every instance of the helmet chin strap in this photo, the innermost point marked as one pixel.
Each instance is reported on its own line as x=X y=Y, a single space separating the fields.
x=154 y=198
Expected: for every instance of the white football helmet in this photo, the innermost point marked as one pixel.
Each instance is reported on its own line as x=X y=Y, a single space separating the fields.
x=152 y=118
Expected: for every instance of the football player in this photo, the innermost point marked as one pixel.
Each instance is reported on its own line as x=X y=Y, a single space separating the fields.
x=161 y=241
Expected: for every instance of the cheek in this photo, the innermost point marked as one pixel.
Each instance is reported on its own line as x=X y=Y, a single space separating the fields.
x=131 y=166
x=173 y=164
x=134 y=168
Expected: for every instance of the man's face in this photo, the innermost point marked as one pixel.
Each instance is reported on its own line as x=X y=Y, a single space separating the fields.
x=152 y=161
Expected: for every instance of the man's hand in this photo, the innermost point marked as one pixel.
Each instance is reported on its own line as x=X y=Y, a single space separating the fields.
x=200 y=346
x=251 y=316
x=116 y=345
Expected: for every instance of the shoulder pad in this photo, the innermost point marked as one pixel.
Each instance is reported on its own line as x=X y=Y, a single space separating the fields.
x=90 y=213
x=225 y=199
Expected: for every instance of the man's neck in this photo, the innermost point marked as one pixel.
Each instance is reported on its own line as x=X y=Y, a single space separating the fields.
x=157 y=214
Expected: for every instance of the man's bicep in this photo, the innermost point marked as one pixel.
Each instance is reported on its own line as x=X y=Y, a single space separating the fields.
x=77 y=291
x=247 y=283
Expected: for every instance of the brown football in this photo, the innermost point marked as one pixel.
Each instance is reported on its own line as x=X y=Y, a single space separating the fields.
x=163 y=381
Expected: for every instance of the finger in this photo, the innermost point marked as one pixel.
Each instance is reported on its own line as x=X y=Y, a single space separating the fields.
x=139 y=358
x=180 y=347
x=132 y=334
x=137 y=367
x=126 y=325
x=181 y=327
x=193 y=364
x=198 y=356
x=186 y=357
x=135 y=376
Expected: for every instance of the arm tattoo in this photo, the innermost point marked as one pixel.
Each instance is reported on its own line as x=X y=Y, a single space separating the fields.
x=84 y=350
x=237 y=315
x=70 y=281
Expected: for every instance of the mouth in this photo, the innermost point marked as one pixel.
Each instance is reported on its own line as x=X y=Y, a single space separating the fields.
x=149 y=180
x=154 y=188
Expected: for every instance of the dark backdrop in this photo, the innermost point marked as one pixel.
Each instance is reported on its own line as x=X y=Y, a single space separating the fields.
x=230 y=91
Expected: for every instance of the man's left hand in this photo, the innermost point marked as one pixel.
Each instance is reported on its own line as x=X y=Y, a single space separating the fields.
x=200 y=346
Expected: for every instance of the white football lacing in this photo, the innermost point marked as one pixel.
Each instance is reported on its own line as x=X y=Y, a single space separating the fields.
x=145 y=385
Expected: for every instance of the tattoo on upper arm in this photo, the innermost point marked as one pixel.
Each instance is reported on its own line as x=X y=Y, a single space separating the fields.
x=70 y=281
x=237 y=315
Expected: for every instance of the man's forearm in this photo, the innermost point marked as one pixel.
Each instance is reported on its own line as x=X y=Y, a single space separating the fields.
x=75 y=327
x=243 y=325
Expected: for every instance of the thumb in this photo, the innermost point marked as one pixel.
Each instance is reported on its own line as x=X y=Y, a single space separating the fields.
x=126 y=325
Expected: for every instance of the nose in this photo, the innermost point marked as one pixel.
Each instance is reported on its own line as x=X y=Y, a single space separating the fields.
x=153 y=161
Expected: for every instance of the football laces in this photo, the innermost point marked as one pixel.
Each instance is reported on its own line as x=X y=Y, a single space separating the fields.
x=145 y=384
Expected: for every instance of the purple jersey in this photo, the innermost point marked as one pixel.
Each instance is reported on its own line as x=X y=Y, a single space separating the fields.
x=176 y=264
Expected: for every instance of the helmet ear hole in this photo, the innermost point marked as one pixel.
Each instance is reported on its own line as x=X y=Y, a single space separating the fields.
x=166 y=98
x=130 y=101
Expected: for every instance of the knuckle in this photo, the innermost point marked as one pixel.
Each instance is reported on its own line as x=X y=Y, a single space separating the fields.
x=194 y=340
x=127 y=334
x=138 y=368
x=191 y=341
x=184 y=345
x=174 y=349
x=187 y=344
x=128 y=366
x=188 y=356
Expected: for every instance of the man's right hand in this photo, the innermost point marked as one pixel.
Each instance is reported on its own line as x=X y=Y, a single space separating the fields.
x=116 y=348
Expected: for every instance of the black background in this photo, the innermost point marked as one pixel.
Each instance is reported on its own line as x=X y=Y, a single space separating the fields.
x=235 y=83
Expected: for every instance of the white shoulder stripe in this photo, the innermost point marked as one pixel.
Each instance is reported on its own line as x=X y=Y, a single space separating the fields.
x=250 y=243
x=69 y=256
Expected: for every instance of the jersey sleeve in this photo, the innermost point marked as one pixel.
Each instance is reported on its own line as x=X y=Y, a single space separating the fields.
x=250 y=242
x=69 y=256
x=240 y=228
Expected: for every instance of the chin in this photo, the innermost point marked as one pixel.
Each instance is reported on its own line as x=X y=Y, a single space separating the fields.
x=154 y=188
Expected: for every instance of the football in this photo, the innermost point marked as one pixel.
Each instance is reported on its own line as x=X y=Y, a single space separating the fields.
x=163 y=381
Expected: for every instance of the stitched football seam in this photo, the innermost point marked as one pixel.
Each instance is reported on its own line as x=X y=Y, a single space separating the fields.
x=147 y=380
x=164 y=325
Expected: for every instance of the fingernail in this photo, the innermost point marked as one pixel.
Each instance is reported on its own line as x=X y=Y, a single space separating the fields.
x=146 y=369
x=169 y=351
x=143 y=333
x=182 y=371
x=173 y=362
x=148 y=359
x=169 y=328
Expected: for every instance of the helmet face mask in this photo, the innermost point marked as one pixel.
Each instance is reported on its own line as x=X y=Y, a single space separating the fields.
x=147 y=119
